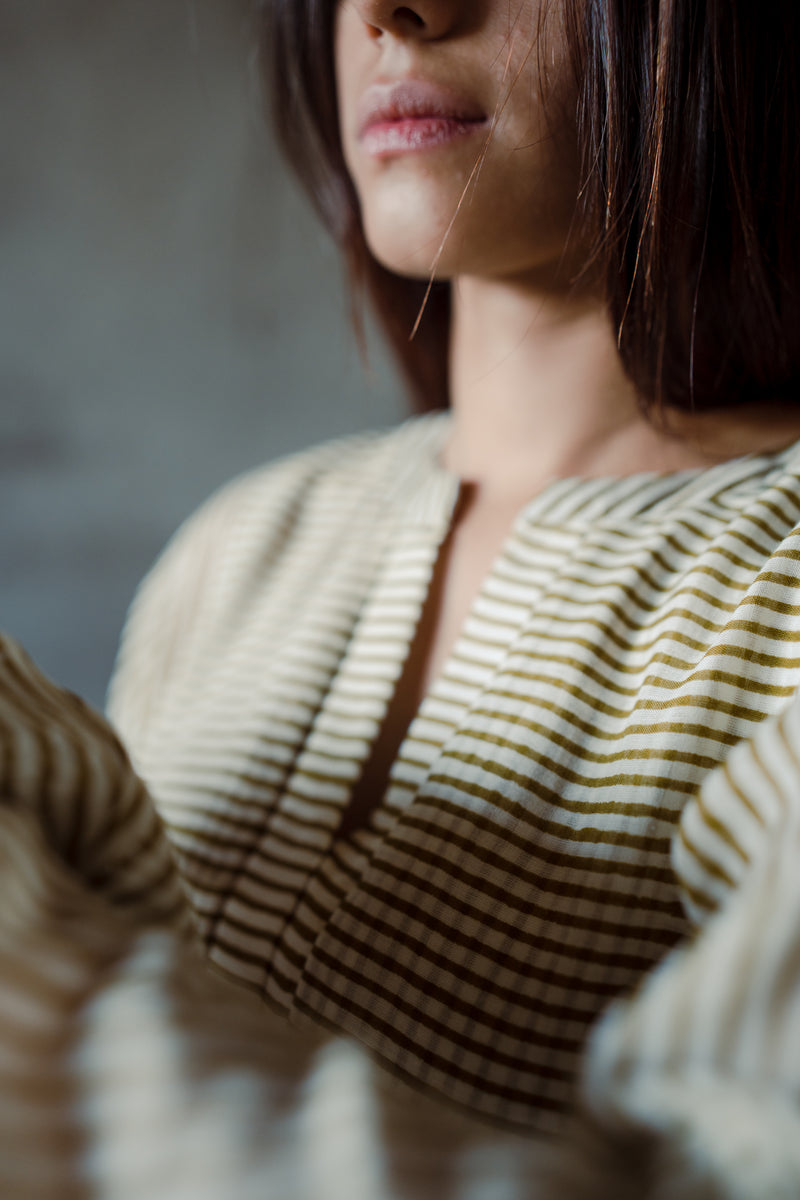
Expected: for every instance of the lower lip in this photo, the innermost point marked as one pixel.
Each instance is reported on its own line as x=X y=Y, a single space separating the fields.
x=410 y=134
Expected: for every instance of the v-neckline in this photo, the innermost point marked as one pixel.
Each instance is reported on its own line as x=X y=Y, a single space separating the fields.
x=426 y=493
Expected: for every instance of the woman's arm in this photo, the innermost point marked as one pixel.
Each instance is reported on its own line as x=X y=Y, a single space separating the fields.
x=701 y=1069
x=126 y=1068
x=62 y=765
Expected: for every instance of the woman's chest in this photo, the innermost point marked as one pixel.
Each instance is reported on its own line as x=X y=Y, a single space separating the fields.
x=517 y=875
x=592 y=684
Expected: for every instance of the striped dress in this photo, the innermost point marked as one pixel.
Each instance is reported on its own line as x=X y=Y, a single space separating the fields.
x=516 y=877
x=127 y=1070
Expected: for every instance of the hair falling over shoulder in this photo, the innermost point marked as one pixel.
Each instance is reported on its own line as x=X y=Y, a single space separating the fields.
x=687 y=121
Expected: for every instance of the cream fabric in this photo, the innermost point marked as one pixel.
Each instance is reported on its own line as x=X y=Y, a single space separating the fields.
x=516 y=876
x=630 y=634
x=127 y=1070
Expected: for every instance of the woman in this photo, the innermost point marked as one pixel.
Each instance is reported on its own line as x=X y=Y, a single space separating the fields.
x=432 y=717
x=422 y=710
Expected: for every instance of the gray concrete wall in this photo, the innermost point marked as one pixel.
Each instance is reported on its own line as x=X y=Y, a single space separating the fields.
x=169 y=312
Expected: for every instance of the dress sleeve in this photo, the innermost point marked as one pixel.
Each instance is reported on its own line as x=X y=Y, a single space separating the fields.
x=126 y=1068
x=190 y=597
x=701 y=1068
x=163 y=616
x=64 y=771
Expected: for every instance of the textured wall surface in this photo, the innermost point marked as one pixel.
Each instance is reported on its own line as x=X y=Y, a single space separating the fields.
x=169 y=312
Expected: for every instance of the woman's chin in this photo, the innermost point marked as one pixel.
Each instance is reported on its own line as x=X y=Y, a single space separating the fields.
x=410 y=226
x=413 y=259
x=444 y=250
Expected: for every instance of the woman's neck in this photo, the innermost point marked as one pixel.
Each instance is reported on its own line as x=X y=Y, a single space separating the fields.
x=538 y=392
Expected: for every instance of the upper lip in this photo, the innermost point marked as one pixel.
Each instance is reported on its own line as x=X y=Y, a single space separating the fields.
x=413 y=98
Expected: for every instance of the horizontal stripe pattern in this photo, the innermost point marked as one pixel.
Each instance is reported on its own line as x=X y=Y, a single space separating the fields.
x=516 y=876
x=128 y=1070
x=62 y=765
x=708 y=1050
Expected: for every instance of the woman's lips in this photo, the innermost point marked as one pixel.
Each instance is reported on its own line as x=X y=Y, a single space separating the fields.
x=406 y=134
x=412 y=115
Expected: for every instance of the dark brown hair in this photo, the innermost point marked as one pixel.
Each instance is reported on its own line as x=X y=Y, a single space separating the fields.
x=687 y=119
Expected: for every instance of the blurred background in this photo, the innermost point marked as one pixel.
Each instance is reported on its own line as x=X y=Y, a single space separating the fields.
x=170 y=314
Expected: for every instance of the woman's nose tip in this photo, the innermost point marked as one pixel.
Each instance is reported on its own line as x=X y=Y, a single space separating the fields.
x=421 y=18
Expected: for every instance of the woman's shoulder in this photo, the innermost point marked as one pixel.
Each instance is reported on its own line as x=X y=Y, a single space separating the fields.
x=333 y=475
x=310 y=503
x=350 y=462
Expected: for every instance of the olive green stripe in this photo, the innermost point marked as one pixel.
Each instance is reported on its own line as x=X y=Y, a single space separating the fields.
x=192 y=856
x=647 y=809
x=566 y=863
x=225 y=769
x=738 y=683
x=724 y=737
x=250 y=737
x=617 y=960
x=261 y=801
x=417 y=764
x=583 y=865
x=698 y=897
x=786 y=579
x=721 y=650
x=538 y=758
x=222 y=837
x=434 y=743
x=568 y=587
x=534 y=1103
x=431 y=991
x=254 y=847
x=632 y=646
x=782 y=516
x=33 y=697
x=492 y=925
x=585 y=835
x=632 y=592
x=771 y=605
x=621 y=543
x=668 y=621
x=119 y=860
x=199 y=789
x=117 y=816
x=774 y=535
x=601 y=568
x=395 y=781
x=298 y=960
x=712 y=822
x=776 y=789
x=496 y=645
x=598 y=899
x=513 y=1062
x=141 y=890
x=708 y=865
x=759 y=550
x=788 y=743
x=366 y=667
x=628 y=928
x=663 y=704
x=543 y=882
x=216 y=938
x=741 y=795
x=322 y=777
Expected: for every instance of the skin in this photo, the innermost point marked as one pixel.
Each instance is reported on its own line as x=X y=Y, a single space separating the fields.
x=537 y=388
x=514 y=210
